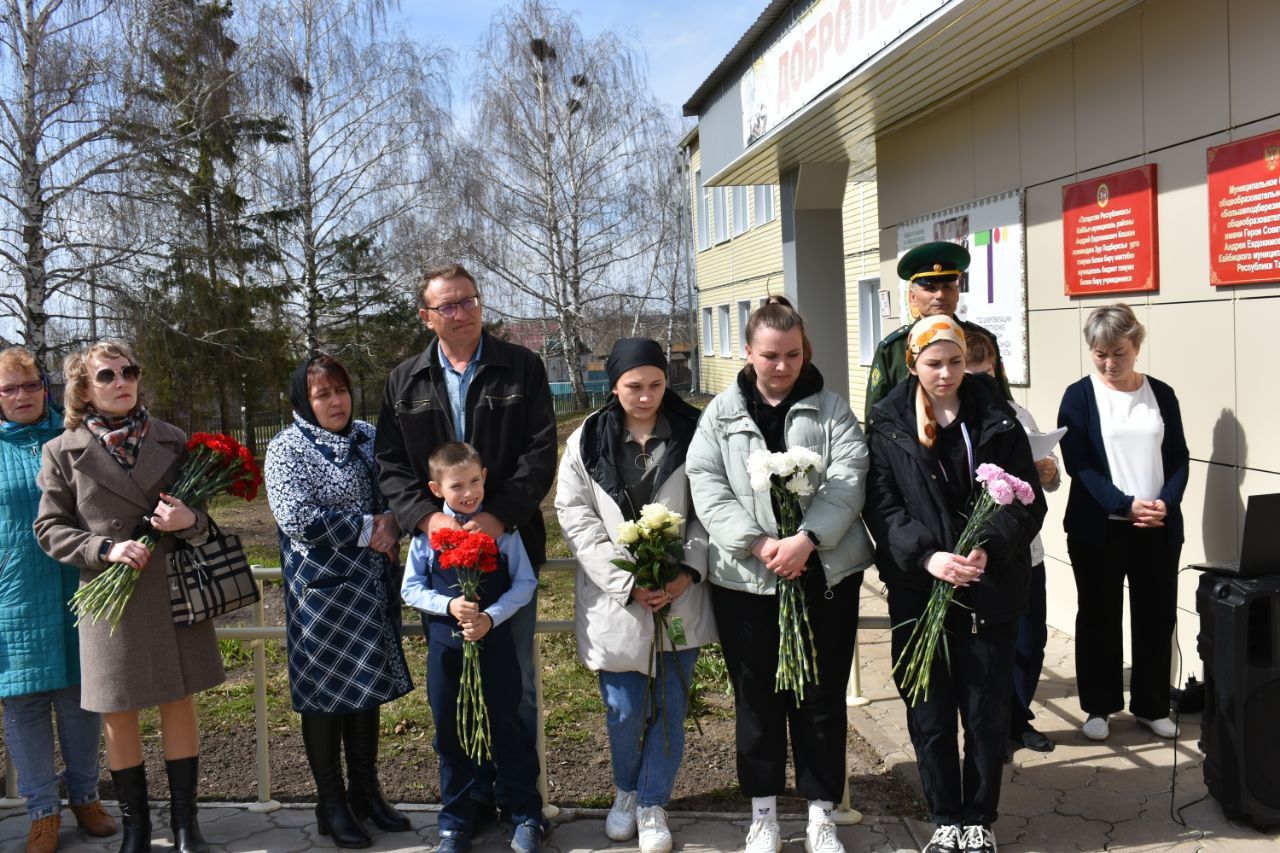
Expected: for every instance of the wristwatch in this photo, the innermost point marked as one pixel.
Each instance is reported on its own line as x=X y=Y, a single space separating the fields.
x=104 y=549
x=812 y=537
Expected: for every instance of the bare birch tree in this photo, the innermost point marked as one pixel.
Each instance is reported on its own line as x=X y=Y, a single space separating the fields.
x=366 y=112
x=65 y=72
x=564 y=126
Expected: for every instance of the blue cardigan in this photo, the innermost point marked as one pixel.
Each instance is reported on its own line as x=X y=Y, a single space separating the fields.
x=1093 y=496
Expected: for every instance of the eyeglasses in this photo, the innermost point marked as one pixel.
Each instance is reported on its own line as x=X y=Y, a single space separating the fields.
x=29 y=387
x=106 y=375
x=451 y=310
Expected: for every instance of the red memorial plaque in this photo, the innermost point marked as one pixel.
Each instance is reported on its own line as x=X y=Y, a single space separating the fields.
x=1109 y=233
x=1244 y=211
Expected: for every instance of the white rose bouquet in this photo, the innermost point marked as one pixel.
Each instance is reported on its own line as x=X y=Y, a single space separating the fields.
x=656 y=543
x=786 y=476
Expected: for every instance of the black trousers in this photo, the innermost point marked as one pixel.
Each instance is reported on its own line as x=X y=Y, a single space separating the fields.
x=1028 y=658
x=978 y=686
x=748 y=626
x=1144 y=558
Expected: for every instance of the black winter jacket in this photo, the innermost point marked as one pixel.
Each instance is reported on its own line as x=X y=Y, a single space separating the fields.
x=510 y=420
x=907 y=512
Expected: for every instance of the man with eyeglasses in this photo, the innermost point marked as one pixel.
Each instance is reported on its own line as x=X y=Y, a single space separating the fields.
x=471 y=386
x=934 y=271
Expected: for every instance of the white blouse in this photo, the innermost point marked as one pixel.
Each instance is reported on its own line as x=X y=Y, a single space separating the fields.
x=1132 y=432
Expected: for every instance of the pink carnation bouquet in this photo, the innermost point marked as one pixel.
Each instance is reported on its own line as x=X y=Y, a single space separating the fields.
x=999 y=490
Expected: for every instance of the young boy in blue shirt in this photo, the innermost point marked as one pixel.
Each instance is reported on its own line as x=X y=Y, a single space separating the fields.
x=457 y=477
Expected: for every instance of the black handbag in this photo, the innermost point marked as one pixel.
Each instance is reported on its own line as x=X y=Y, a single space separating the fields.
x=209 y=579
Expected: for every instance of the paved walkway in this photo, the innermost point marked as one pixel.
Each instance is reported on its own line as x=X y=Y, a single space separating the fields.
x=1082 y=796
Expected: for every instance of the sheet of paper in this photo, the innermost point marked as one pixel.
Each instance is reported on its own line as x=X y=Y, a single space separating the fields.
x=1043 y=443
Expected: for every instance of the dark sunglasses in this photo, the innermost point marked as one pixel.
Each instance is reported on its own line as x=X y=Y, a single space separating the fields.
x=106 y=375
x=13 y=390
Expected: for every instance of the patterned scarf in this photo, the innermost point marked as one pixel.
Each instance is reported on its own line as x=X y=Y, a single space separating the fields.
x=120 y=436
x=930 y=330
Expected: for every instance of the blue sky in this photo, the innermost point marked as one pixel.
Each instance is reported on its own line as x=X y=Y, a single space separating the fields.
x=683 y=40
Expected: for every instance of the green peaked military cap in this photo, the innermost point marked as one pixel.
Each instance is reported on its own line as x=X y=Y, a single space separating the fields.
x=938 y=260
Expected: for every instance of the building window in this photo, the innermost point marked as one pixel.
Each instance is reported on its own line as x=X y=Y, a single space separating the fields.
x=725 y=349
x=721 y=214
x=744 y=314
x=868 y=318
x=741 y=215
x=704 y=227
x=764 y=204
x=708 y=344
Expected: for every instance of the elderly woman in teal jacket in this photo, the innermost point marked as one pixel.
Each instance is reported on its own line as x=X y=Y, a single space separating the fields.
x=39 y=646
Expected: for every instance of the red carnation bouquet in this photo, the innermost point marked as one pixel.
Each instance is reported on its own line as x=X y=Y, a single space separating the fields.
x=472 y=555
x=215 y=464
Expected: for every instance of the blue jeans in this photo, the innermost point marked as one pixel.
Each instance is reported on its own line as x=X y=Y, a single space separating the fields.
x=28 y=733
x=523 y=624
x=646 y=749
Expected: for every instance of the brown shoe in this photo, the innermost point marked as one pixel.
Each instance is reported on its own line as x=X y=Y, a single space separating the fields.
x=93 y=819
x=43 y=835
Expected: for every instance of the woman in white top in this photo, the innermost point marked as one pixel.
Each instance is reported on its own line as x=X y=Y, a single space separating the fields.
x=1127 y=457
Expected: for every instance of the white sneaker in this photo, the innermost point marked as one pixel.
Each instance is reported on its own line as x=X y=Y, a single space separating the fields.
x=654 y=835
x=620 y=825
x=764 y=837
x=946 y=839
x=978 y=839
x=1163 y=727
x=1096 y=728
x=820 y=837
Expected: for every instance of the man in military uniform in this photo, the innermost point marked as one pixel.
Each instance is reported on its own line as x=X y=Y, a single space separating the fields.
x=934 y=272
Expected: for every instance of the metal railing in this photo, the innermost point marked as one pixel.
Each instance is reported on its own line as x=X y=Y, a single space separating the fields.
x=259 y=632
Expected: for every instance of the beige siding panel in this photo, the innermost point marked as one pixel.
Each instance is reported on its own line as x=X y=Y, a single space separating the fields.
x=1046 y=279
x=1184 y=223
x=1186 y=76
x=1107 y=63
x=1257 y=404
x=1204 y=383
x=1055 y=362
x=997 y=164
x=1046 y=124
x=1255 y=62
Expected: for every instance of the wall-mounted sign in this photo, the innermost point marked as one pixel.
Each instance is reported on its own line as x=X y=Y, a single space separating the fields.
x=822 y=44
x=1244 y=211
x=993 y=293
x=1109 y=233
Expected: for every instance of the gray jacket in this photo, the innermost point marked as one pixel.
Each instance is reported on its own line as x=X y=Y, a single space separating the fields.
x=736 y=516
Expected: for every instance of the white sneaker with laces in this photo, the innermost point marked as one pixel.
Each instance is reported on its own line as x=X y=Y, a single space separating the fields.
x=764 y=837
x=620 y=825
x=820 y=837
x=978 y=839
x=946 y=839
x=1096 y=728
x=655 y=837
x=1163 y=727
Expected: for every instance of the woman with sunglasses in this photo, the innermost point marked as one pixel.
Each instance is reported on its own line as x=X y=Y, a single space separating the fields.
x=38 y=640
x=103 y=481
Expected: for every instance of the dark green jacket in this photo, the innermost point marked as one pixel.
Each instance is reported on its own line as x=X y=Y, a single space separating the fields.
x=889 y=365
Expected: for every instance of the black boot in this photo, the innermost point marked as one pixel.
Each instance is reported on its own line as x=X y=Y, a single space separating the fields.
x=360 y=735
x=183 y=773
x=322 y=736
x=135 y=817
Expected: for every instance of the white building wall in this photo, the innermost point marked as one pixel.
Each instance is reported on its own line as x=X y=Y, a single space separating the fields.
x=1159 y=84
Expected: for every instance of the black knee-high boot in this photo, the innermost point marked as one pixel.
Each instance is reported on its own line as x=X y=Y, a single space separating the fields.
x=135 y=816
x=183 y=773
x=322 y=736
x=360 y=737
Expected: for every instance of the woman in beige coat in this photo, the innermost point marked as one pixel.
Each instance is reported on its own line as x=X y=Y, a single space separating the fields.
x=102 y=480
x=628 y=454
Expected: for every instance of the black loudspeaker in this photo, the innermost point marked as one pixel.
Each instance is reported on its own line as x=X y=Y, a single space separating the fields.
x=1239 y=644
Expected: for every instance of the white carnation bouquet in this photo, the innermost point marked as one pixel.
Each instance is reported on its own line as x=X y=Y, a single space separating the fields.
x=788 y=477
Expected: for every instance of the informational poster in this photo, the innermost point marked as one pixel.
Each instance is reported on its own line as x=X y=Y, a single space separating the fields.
x=993 y=292
x=1244 y=211
x=1109 y=233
